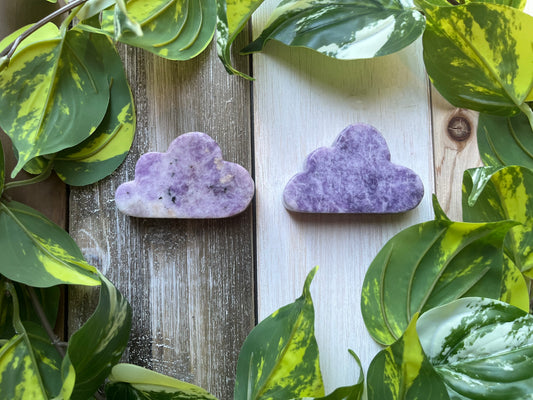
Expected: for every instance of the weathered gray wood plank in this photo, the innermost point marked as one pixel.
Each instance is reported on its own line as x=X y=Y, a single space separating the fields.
x=190 y=282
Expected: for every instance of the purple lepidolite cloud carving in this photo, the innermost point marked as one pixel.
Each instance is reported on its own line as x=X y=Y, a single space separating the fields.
x=355 y=175
x=190 y=180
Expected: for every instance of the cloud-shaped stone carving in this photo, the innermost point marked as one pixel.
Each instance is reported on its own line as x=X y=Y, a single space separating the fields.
x=355 y=175
x=190 y=180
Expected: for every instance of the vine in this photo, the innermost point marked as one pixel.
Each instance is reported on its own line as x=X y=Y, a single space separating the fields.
x=67 y=107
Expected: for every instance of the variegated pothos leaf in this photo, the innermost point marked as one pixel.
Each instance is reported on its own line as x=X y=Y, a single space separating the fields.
x=495 y=194
x=37 y=252
x=279 y=358
x=505 y=140
x=232 y=16
x=347 y=29
x=430 y=264
x=487 y=48
x=2 y=169
x=132 y=381
x=98 y=345
x=172 y=29
x=402 y=371
x=481 y=348
x=53 y=94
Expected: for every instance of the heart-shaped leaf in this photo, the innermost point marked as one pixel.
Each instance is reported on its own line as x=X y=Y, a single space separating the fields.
x=29 y=364
x=505 y=140
x=487 y=53
x=98 y=345
x=347 y=29
x=402 y=371
x=53 y=94
x=101 y=153
x=173 y=29
x=279 y=358
x=427 y=265
x=232 y=16
x=130 y=381
x=481 y=348
x=495 y=194
x=37 y=252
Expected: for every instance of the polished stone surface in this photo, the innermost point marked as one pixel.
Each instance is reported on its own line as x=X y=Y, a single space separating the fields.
x=190 y=180
x=355 y=175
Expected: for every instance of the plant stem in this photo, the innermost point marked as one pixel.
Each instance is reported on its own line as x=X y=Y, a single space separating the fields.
x=529 y=113
x=44 y=321
x=10 y=49
x=36 y=179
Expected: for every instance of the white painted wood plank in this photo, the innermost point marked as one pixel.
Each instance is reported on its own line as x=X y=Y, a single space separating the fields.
x=302 y=100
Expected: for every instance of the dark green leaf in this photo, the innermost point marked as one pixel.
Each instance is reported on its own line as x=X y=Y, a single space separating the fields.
x=478 y=56
x=48 y=298
x=37 y=252
x=427 y=265
x=53 y=94
x=481 y=348
x=136 y=383
x=98 y=345
x=232 y=16
x=402 y=372
x=2 y=170
x=347 y=29
x=491 y=194
x=173 y=29
x=505 y=140
x=279 y=358
x=29 y=364
x=100 y=154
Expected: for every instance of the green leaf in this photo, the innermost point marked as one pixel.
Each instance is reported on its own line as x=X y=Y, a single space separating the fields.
x=402 y=371
x=48 y=298
x=2 y=169
x=172 y=29
x=93 y=7
x=505 y=141
x=505 y=193
x=53 y=94
x=478 y=56
x=100 y=154
x=427 y=265
x=37 y=252
x=515 y=290
x=232 y=16
x=279 y=358
x=347 y=29
x=129 y=381
x=29 y=364
x=481 y=348
x=98 y=345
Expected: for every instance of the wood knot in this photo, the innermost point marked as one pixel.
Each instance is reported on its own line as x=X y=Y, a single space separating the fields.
x=459 y=128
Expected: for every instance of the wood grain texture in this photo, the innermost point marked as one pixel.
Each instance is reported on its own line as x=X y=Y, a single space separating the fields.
x=302 y=100
x=190 y=282
x=452 y=157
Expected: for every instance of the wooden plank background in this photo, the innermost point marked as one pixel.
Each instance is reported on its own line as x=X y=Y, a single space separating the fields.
x=198 y=287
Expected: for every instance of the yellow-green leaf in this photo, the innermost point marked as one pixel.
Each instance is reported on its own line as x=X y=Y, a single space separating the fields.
x=54 y=92
x=173 y=29
x=131 y=381
x=37 y=252
x=479 y=56
x=402 y=371
x=427 y=265
x=279 y=358
x=232 y=16
x=505 y=193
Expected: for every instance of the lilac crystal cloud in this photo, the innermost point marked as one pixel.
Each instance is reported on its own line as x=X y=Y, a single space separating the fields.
x=190 y=180
x=355 y=175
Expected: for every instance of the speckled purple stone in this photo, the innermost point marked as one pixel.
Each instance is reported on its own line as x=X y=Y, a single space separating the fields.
x=190 y=180
x=355 y=175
